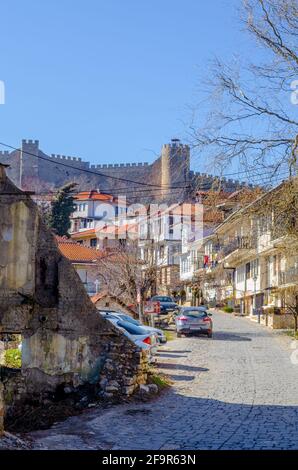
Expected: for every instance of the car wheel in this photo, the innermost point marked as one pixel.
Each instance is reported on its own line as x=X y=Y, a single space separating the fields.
x=178 y=335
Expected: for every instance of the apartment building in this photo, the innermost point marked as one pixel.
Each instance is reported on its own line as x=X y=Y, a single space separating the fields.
x=249 y=261
x=97 y=219
x=260 y=255
x=160 y=241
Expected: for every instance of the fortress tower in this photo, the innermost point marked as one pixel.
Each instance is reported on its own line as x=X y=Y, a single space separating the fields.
x=28 y=162
x=175 y=164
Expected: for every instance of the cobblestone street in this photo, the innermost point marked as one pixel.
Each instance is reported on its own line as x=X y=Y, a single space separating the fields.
x=235 y=391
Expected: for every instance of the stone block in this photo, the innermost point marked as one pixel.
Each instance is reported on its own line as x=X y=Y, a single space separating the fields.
x=128 y=390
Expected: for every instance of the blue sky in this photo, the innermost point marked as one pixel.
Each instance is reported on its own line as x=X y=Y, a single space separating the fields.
x=109 y=81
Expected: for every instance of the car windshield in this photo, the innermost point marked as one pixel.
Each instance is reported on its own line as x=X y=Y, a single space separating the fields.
x=109 y=315
x=163 y=299
x=106 y=312
x=132 y=329
x=129 y=319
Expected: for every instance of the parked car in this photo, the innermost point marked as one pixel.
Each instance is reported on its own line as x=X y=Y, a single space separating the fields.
x=201 y=308
x=194 y=320
x=161 y=337
x=167 y=304
x=142 y=338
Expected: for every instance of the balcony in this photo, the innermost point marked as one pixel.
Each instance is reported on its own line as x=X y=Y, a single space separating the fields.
x=239 y=243
x=289 y=277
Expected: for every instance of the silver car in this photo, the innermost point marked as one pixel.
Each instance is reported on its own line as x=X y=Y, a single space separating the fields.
x=138 y=335
x=192 y=320
x=161 y=337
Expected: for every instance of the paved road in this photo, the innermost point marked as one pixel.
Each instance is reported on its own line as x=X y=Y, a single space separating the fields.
x=238 y=390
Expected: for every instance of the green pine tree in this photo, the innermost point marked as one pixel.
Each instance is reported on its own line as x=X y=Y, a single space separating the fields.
x=61 y=209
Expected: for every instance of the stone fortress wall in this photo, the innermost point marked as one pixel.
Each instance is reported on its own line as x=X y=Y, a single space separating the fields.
x=170 y=169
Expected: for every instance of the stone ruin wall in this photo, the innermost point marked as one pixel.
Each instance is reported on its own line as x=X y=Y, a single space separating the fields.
x=65 y=342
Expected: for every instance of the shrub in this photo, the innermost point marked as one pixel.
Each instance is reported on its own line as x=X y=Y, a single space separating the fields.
x=169 y=335
x=160 y=380
x=228 y=309
x=13 y=358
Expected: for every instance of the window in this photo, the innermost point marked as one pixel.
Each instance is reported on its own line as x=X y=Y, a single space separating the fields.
x=93 y=242
x=264 y=224
x=159 y=222
x=131 y=328
x=171 y=223
x=274 y=262
x=81 y=207
x=240 y=274
x=11 y=356
x=255 y=268
x=248 y=270
x=86 y=223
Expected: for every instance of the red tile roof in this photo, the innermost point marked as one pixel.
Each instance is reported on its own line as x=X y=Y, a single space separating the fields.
x=76 y=252
x=107 y=229
x=93 y=195
x=83 y=233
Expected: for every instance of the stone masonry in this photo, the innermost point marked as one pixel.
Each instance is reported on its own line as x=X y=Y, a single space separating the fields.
x=65 y=342
x=32 y=168
x=1 y=410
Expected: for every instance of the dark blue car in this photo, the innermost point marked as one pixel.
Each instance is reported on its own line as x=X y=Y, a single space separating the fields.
x=167 y=304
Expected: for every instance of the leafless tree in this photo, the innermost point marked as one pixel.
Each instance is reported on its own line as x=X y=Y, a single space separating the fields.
x=252 y=121
x=291 y=304
x=125 y=275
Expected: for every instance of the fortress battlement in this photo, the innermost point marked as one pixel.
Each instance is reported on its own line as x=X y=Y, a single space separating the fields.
x=30 y=142
x=110 y=166
x=227 y=181
x=175 y=145
x=67 y=158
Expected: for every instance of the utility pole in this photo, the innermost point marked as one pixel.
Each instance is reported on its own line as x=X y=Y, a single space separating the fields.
x=255 y=297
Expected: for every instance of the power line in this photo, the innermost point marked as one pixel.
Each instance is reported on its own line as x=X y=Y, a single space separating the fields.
x=203 y=186
x=177 y=192
x=153 y=186
x=47 y=159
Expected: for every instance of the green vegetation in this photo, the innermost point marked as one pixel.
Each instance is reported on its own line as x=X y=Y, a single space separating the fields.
x=160 y=380
x=292 y=334
x=13 y=358
x=61 y=209
x=169 y=335
x=228 y=309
